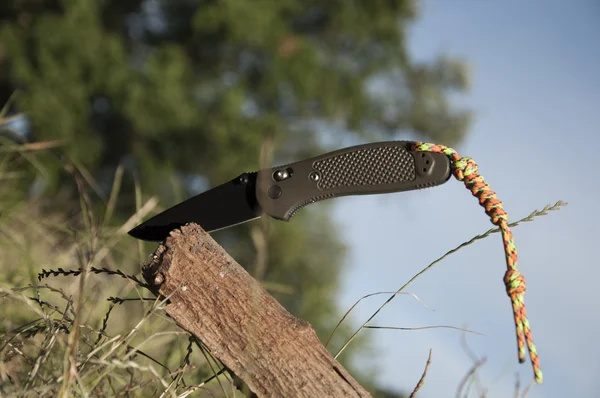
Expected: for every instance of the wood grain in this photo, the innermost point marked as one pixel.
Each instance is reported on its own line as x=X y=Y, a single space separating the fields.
x=213 y=297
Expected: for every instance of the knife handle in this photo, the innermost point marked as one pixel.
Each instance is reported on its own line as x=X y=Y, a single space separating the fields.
x=376 y=168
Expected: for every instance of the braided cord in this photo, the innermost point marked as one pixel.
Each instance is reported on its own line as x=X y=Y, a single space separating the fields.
x=466 y=170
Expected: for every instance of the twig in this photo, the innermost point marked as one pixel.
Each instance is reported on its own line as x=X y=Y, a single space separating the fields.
x=526 y=391
x=114 y=194
x=529 y=218
x=191 y=389
x=422 y=380
x=186 y=361
x=423 y=328
x=206 y=353
x=114 y=301
x=33 y=146
x=363 y=298
x=471 y=354
x=469 y=374
x=94 y=270
x=70 y=371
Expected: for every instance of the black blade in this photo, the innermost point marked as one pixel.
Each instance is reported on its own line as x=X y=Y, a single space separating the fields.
x=221 y=207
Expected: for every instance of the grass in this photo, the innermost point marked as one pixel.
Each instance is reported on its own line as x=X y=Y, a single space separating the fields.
x=74 y=323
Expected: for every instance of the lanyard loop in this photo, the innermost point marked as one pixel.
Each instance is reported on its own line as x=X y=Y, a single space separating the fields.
x=466 y=170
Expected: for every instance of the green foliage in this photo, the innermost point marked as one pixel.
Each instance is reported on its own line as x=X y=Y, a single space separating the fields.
x=217 y=76
x=178 y=89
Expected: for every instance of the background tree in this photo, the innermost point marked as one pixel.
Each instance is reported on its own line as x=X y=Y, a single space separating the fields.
x=184 y=93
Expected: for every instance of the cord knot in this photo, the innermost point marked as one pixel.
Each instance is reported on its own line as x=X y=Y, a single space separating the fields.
x=515 y=283
x=497 y=214
x=465 y=167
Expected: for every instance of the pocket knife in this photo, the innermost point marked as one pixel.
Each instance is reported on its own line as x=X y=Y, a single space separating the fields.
x=279 y=192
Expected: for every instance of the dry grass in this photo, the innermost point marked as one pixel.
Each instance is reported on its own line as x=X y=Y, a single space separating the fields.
x=84 y=327
x=73 y=323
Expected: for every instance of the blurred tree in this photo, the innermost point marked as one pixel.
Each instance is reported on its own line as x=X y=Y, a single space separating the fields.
x=184 y=93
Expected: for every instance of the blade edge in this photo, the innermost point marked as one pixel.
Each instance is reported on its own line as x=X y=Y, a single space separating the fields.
x=224 y=206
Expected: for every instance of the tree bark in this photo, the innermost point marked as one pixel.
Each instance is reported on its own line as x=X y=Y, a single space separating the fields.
x=215 y=299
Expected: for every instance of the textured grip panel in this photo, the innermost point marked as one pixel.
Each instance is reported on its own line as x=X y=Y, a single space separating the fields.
x=370 y=166
x=377 y=168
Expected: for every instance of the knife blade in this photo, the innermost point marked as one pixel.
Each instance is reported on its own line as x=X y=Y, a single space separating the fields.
x=279 y=192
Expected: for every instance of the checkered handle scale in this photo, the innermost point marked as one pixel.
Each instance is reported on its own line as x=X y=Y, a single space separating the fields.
x=383 y=167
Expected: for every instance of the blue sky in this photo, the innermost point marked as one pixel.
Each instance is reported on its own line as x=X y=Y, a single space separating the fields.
x=536 y=97
x=535 y=93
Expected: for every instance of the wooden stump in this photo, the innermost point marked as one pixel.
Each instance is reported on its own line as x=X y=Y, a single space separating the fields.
x=214 y=298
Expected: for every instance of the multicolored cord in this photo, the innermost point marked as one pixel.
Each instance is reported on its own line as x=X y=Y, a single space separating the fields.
x=466 y=170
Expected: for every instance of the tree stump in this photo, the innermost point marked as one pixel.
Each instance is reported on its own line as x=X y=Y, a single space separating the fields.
x=211 y=296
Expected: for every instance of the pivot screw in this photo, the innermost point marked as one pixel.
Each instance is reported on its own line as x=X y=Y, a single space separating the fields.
x=314 y=176
x=281 y=175
x=244 y=178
